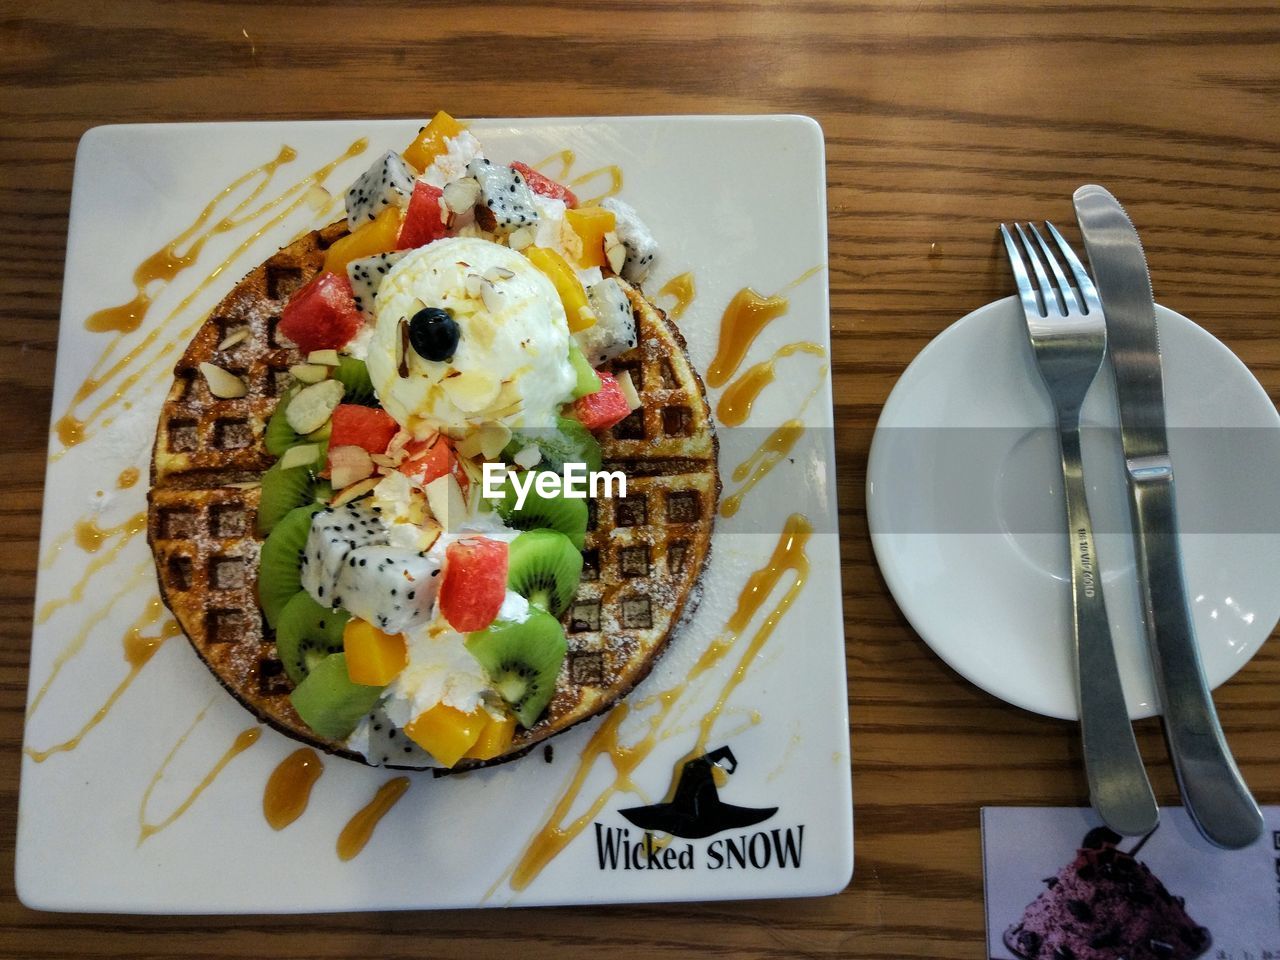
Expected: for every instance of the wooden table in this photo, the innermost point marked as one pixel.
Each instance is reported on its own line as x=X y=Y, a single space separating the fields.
x=940 y=117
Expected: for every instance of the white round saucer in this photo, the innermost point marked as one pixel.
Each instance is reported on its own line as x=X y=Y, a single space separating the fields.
x=964 y=503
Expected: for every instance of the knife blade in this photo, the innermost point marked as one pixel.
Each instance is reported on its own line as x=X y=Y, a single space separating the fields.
x=1212 y=788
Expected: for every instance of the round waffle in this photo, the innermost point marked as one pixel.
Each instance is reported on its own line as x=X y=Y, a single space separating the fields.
x=644 y=554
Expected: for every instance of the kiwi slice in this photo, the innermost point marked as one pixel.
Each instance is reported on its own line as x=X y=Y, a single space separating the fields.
x=544 y=567
x=328 y=702
x=279 y=436
x=567 y=442
x=354 y=376
x=307 y=633
x=282 y=490
x=522 y=660
x=279 y=569
x=588 y=379
x=569 y=516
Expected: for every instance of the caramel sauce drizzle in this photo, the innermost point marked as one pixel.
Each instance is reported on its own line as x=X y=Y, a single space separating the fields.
x=565 y=158
x=167 y=262
x=681 y=288
x=614 y=173
x=743 y=320
x=360 y=828
x=734 y=406
x=243 y=741
x=289 y=787
x=558 y=831
x=773 y=450
x=128 y=477
x=72 y=429
x=139 y=648
x=90 y=537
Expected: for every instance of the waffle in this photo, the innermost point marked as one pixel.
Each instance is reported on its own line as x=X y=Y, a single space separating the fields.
x=643 y=557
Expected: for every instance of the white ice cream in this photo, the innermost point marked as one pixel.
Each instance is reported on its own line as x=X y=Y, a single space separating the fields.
x=511 y=363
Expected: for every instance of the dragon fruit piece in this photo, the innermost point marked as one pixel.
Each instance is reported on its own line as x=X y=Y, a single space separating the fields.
x=635 y=236
x=384 y=744
x=335 y=532
x=614 y=331
x=366 y=276
x=388 y=182
x=506 y=202
x=390 y=587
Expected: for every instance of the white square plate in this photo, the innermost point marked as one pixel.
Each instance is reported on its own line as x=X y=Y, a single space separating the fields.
x=736 y=200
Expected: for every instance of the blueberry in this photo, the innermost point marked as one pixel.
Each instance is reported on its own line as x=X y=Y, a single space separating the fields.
x=433 y=334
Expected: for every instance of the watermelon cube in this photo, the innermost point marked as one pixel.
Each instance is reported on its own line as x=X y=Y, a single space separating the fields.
x=423 y=222
x=474 y=583
x=369 y=427
x=428 y=460
x=322 y=315
x=544 y=185
x=605 y=407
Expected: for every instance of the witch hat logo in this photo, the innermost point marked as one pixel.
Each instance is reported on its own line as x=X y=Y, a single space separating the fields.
x=696 y=810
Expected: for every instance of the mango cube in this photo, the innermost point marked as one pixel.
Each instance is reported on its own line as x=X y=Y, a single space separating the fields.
x=446 y=732
x=430 y=141
x=591 y=224
x=576 y=309
x=374 y=658
x=377 y=236
x=494 y=739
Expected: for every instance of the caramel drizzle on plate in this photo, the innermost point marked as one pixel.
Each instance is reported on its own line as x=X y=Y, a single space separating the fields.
x=359 y=829
x=139 y=647
x=167 y=262
x=734 y=405
x=243 y=741
x=288 y=788
x=683 y=290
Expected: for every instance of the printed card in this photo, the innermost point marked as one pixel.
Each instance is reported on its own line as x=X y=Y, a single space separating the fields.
x=1061 y=886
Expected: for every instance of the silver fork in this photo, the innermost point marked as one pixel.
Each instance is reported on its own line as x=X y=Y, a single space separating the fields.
x=1068 y=340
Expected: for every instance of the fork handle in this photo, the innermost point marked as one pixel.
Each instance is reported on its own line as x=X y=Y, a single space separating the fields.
x=1212 y=787
x=1118 y=785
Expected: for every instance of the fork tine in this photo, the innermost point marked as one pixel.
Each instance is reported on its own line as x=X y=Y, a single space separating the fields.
x=1064 y=285
x=1026 y=291
x=1087 y=290
x=1047 y=292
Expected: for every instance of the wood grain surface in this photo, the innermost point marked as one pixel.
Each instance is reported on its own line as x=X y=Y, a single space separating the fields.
x=941 y=118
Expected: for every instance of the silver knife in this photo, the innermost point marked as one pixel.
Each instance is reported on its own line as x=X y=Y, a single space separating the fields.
x=1214 y=792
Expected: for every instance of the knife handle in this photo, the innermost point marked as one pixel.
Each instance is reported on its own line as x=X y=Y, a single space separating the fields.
x=1118 y=784
x=1212 y=787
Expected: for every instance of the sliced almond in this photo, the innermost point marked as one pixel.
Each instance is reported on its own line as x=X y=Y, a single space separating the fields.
x=460 y=195
x=473 y=284
x=390 y=462
x=224 y=385
x=628 y=390
x=238 y=335
x=245 y=485
x=469 y=446
x=312 y=406
x=309 y=372
x=349 y=463
x=615 y=252
x=493 y=299
x=493 y=439
x=328 y=358
x=471 y=390
x=302 y=455
x=529 y=457
x=524 y=237
x=447 y=503
x=317 y=197
x=494 y=274
x=352 y=492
